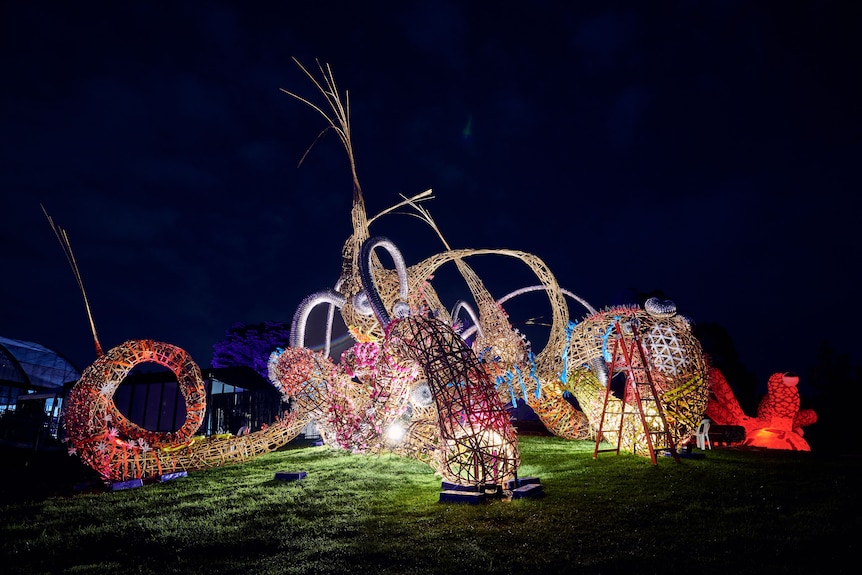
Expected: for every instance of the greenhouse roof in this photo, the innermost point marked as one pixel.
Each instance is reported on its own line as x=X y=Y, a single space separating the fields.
x=33 y=366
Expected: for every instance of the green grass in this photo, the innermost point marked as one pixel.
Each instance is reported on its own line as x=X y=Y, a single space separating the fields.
x=732 y=511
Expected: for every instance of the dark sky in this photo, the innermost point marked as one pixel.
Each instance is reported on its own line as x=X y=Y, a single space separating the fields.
x=709 y=150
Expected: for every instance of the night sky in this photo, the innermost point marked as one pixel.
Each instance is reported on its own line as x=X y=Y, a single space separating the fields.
x=706 y=151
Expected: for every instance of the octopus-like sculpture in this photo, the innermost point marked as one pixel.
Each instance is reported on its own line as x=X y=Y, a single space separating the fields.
x=573 y=360
x=420 y=380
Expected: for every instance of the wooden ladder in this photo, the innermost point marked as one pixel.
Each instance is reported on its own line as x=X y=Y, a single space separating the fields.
x=630 y=359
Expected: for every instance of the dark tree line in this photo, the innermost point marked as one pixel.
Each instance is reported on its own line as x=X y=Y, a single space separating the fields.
x=836 y=385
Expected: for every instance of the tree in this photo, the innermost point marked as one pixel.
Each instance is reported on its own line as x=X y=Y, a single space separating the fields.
x=836 y=382
x=251 y=345
x=719 y=346
x=833 y=373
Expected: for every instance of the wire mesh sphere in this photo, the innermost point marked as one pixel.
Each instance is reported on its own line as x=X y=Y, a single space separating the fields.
x=673 y=354
x=301 y=374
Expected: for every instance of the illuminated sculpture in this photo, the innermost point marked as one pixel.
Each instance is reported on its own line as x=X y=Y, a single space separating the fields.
x=779 y=422
x=540 y=379
x=119 y=450
x=675 y=362
x=474 y=441
x=415 y=382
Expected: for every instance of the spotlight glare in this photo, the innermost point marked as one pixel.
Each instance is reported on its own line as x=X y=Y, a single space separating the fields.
x=395 y=433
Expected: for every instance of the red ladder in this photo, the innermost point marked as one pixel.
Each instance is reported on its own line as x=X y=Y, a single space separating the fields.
x=630 y=359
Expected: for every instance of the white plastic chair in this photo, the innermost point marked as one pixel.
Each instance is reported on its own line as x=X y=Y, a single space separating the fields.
x=702 y=435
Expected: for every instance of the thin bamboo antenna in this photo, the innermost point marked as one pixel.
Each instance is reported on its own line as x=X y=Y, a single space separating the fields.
x=340 y=122
x=421 y=197
x=425 y=215
x=63 y=238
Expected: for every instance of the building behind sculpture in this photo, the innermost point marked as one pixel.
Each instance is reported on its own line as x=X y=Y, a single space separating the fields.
x=33 y=379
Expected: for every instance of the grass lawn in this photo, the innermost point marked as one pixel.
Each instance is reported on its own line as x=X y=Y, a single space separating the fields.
x=730 y=511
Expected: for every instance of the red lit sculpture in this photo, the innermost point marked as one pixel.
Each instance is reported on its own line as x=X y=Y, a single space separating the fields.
x=779 y=422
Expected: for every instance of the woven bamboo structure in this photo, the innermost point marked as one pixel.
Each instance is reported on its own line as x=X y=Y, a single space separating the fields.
x=354 y=402
x=446 y=397
x=385 y=380
x=503 y=346
x=478 y=444
x=119 y=449
x=117 y=459
x=542 y=378
x=376 y=385
x=675 y=359
x=503 y=349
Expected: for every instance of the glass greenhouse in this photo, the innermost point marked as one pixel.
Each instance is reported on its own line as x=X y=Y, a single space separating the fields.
x=32 y=379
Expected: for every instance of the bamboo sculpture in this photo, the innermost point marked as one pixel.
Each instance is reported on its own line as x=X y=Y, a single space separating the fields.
x=540 y=379
x=415 y=382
